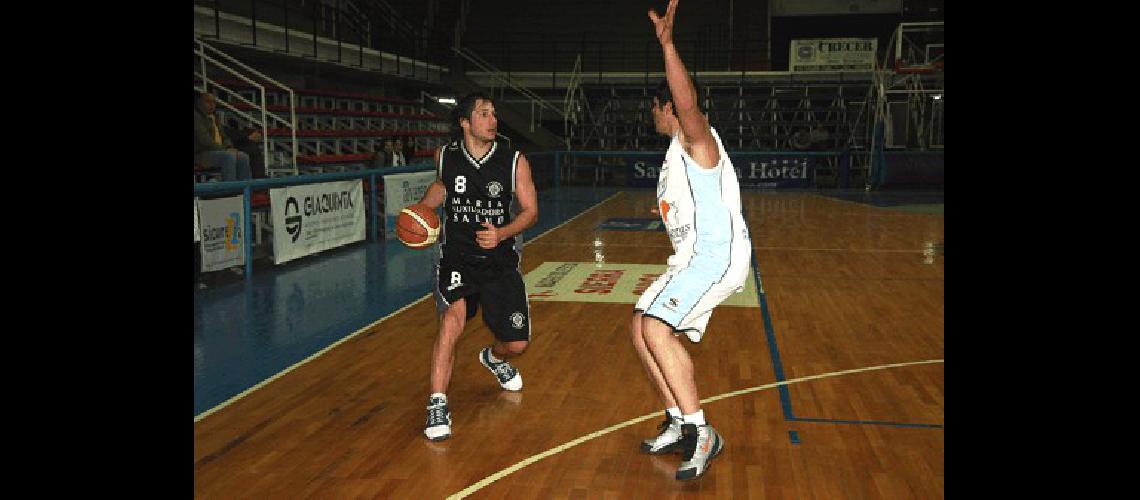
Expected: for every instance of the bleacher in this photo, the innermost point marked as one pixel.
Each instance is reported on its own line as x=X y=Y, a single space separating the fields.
x=338 y=131
x=335 y=132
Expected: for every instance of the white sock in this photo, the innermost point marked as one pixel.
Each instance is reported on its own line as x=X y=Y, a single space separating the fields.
x=491 y=356
x=697 y=418
x=438 y=395
x=674 y=412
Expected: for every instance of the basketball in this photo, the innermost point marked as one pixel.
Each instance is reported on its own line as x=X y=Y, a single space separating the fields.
x=417 y=226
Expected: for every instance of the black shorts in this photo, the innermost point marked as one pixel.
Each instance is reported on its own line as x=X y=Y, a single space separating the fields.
x=491 y=280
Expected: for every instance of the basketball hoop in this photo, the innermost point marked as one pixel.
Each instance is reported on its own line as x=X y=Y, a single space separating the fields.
x=919 y=48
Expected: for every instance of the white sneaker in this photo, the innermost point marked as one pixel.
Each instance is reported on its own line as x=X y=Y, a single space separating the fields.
x=438 y=425
x=702 y=444
x=668 y=441
x=509 y=378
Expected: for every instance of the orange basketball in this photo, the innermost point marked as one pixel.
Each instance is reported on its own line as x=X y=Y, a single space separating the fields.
x=417 y=226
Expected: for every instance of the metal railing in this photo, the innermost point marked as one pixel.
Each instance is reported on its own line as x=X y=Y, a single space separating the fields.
x=340 y=32
x=573 y=101
x=600 y=57
x=201 y=49
x=505 y=82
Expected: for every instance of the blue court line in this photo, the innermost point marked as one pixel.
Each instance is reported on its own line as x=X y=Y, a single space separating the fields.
x=770 y=334
x=778 y=367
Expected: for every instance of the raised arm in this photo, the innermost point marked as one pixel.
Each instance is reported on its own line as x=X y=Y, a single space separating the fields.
x=699 y=141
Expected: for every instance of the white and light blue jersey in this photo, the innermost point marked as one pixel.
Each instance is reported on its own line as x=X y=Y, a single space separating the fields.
x=711 y=247
x=701 y=209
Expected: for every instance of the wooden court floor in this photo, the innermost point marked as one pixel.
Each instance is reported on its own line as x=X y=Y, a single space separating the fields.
x=856 y=322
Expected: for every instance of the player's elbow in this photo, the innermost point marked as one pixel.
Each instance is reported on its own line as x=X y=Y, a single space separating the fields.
x=529 y=217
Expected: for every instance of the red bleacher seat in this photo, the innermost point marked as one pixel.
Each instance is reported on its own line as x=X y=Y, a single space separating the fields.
x=322 y=159
x=342 y=112
x=259 y=199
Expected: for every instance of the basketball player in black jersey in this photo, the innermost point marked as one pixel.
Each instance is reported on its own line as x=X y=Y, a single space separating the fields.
x=488 y=199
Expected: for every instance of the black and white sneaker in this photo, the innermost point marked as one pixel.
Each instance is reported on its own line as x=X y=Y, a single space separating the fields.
x=506 y=374
x=669 y=439
x=438 y=425
x=702 y=444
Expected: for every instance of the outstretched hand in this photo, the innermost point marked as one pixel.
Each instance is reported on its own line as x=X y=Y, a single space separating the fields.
x=663 y=26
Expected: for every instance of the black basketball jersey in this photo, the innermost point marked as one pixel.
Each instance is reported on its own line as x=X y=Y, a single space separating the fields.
x=478 y=189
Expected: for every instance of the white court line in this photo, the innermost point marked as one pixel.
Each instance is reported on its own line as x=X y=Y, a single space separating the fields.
x=299 y=363
x=789 y=249
x=553 y=451
x=296 y=365
x=591 y=244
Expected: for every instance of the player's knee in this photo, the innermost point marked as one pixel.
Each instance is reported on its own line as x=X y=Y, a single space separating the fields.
x=517 y=347
x=655 y=331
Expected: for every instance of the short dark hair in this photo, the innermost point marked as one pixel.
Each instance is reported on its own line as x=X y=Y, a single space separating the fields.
x=466 y=106
x=665 y=96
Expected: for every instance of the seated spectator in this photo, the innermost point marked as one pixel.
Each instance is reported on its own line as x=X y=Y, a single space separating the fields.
x=212 y=149
x=381 y=159
x=390 y=157
x=409 y=149
x=398 y=158
x=248 y=141
x=404 y=149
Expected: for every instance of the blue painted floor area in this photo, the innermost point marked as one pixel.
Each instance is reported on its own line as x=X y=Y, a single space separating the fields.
x=888 y=198
x=245 y=331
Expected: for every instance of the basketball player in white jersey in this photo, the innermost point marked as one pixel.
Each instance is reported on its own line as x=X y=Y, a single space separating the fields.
x=699 y=201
